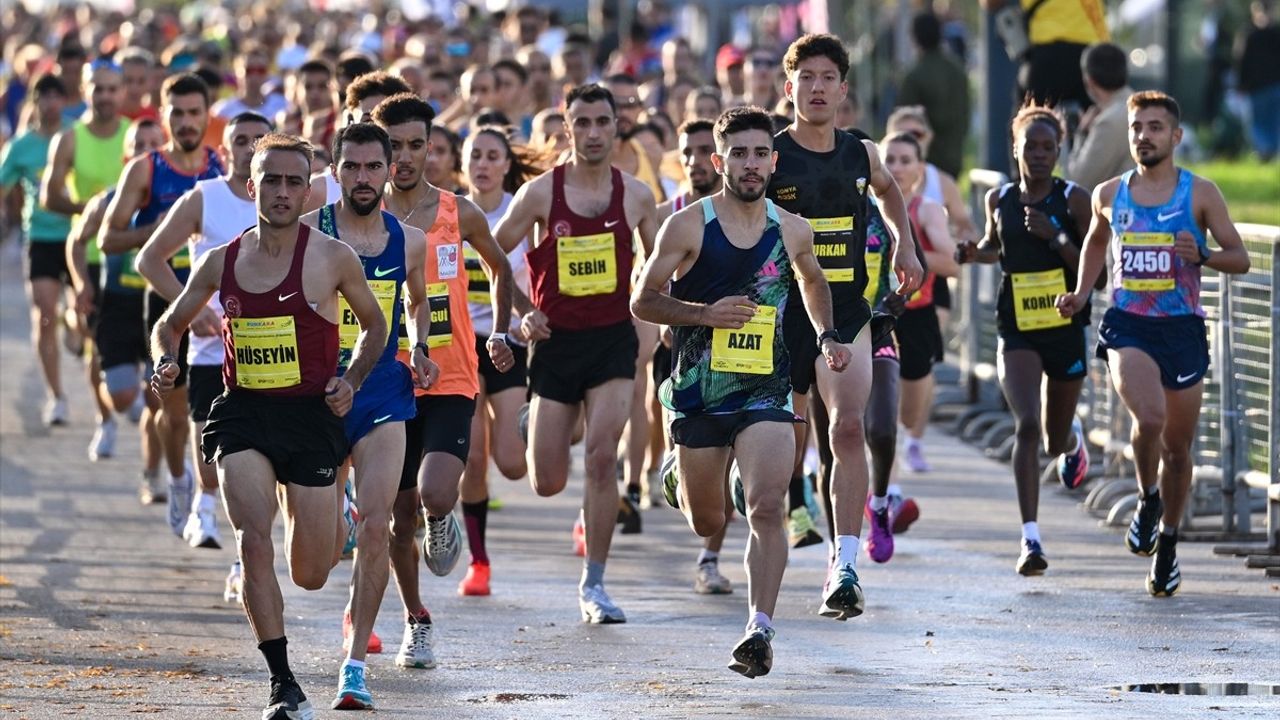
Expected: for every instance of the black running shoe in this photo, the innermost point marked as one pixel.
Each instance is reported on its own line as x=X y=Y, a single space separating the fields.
x=1032 y=560
x=1165 y=578
x=753 y=656
x=1144 y=529
x=629 y=514
x=287 y=702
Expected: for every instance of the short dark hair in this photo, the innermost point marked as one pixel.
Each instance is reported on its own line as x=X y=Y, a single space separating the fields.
x=651 y=127
x=1032 y=113
x=48 y=83
x=816 y=45
x=354 y=63
x=1155 y=98
x=589 y=93
x=403 y=108
x=926 y=29
x=250 y=116
x=372 y=84
x=513 y=66
x=489 y=116
x=316 y=65
x=284 y=142
x=361 y=133
x=210 y=78
x=740 y=119
x=690 y=127
x=454 y=142
x=185 y=84
x=1106 y=65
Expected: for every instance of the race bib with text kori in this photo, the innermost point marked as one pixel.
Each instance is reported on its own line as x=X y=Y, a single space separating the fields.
x=587 y=264
x=748 y=350
x=1035 y=295
x=266 y=352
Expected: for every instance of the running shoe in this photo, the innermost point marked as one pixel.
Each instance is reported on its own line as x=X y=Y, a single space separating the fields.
x=1144 y=530
x=476 y=582
x=579 y=537
x=670 y=480
x=1074 y=466
x=709 y=580
x=880 y=541
x=55 y=412
x=522 y=422
x=180 y=493
x=597 y=608
x=1032 y=560
x=374 y=645
x=287 y=702
x=753 y=655
x=629 y=514
x=842 y=598
x=442 y=546
x=800 y=528
x=201 y=530
x=496 y=504
x=1165 y=578
x=415 y=648
x=352 y=515
x=902 y=512
x=915 y=458
x=233 y=591
x=103 y=444
x=810 y=493
x=739 y=491
x=648 y=489
x=153 y=490
x=135 y=410
x=353 y=693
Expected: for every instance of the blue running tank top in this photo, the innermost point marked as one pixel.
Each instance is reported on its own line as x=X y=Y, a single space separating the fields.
x=386 y=274
x=1147 y=276
x=167 y=185
x=725 y=371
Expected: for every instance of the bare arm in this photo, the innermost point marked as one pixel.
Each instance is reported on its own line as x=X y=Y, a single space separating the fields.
x=650 y=300
x=54 y=195
x=1078 y=206
x=941 y=259
x=116 y=235
x=1233 y=258
x=527 y=208
x=957 y=210
x=183 y=220
x=1093 y=256
x=203 y=282
x=417 y=307
x=84 y=232
x=475 y=230
x=353 y=287
x=894 y=210
x=814 y=289
x=644 y=204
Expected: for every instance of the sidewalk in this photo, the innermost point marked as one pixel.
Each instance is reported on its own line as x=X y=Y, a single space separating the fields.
x=105 y=614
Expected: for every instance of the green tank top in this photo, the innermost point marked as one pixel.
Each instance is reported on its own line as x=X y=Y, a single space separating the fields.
x=96 y=166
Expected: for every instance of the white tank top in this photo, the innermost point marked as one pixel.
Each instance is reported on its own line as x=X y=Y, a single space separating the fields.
x=482 y=312
x=932 y=189
x=225 y=216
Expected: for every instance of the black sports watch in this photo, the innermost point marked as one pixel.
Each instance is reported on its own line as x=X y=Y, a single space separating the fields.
x=1204 y=257
x=426 y=351
x=828 y=335
x=166 y=359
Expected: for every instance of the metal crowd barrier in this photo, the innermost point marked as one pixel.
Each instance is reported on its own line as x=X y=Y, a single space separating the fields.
x=1237 y=446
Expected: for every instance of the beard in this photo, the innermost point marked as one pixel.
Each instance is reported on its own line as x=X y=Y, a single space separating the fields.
x=1152 y=158
x=362 y=208
x=732 y=183
x=706 y=186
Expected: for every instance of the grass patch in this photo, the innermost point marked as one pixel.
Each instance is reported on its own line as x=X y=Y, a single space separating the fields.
x=1251 y=188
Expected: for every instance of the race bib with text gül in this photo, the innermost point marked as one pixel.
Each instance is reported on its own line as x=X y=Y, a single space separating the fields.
x=441 y=334
x=349 y=327
x=748 y=350
x=1034 y=298
x=588 y=265
x=831 y=240
x=266 y=352
x=1146 y=262
x=874 y=261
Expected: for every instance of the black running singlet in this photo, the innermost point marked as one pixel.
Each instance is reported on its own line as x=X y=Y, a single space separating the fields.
x=1034 y=273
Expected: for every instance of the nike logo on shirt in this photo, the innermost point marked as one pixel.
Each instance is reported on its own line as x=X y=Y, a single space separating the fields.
x=379 y=272
x=1184 y=378
x=282 y=298
x=1165 y=218
x=610 y=223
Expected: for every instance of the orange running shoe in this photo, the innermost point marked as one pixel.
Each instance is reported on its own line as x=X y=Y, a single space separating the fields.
x=476 y=582
x=579 y=538
x=375 y=642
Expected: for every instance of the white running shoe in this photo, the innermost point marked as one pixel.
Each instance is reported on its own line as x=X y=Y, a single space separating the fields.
x=234 y=589
x=597 y=607
x=709 y=580
x=103 y=444
x=180 y=502
x=135 y=410
x=416 y=647
x=153 y=490
x=201 y=530
x=55 y=412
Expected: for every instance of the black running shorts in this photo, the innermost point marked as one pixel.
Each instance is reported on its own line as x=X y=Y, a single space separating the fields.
x=1061 y=350
x=155 y=307
x=802 y=341
x=496 y=381
x=47 y=260
x=204 y=387
x=721 y=429
x=300 y=436
x=919 y=342
x=570 y=362
x=443 y=424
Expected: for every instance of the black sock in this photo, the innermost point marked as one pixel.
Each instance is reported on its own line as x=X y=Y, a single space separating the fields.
x=633 y=491
x=476 y=516
x=276 y=653
x=796 y=493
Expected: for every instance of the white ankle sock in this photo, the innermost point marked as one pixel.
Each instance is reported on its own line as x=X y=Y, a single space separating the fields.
x=1031 y=531
x=879 y=502
x=707 y=556
x=846 y=550
x=760 y=620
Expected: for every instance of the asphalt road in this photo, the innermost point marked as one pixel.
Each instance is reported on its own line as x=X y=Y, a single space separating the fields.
x=105 y=614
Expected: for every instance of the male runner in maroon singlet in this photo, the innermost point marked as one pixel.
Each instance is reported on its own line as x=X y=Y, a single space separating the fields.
x=584 y=343
x=280 y=420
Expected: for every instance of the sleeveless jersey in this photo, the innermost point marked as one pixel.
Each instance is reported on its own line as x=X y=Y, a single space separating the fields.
x=1147 y=276
x=116 y=272
x=478 y=298
x=274 y=343
x=96 y=165
x=580 y=273
x=167 y=184
x=452 y=339
x=932 y=189
x=1033 y=272
x=223 y=217
x=723 y=371
x=385 y=273
x=922 y=297
x=829 y=189
x=877 y=255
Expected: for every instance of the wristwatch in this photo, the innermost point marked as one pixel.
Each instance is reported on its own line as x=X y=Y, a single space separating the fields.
x=828 y=335
x=424 y=348
x=499 y=336
x=166 y=359
x=1204 y=256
